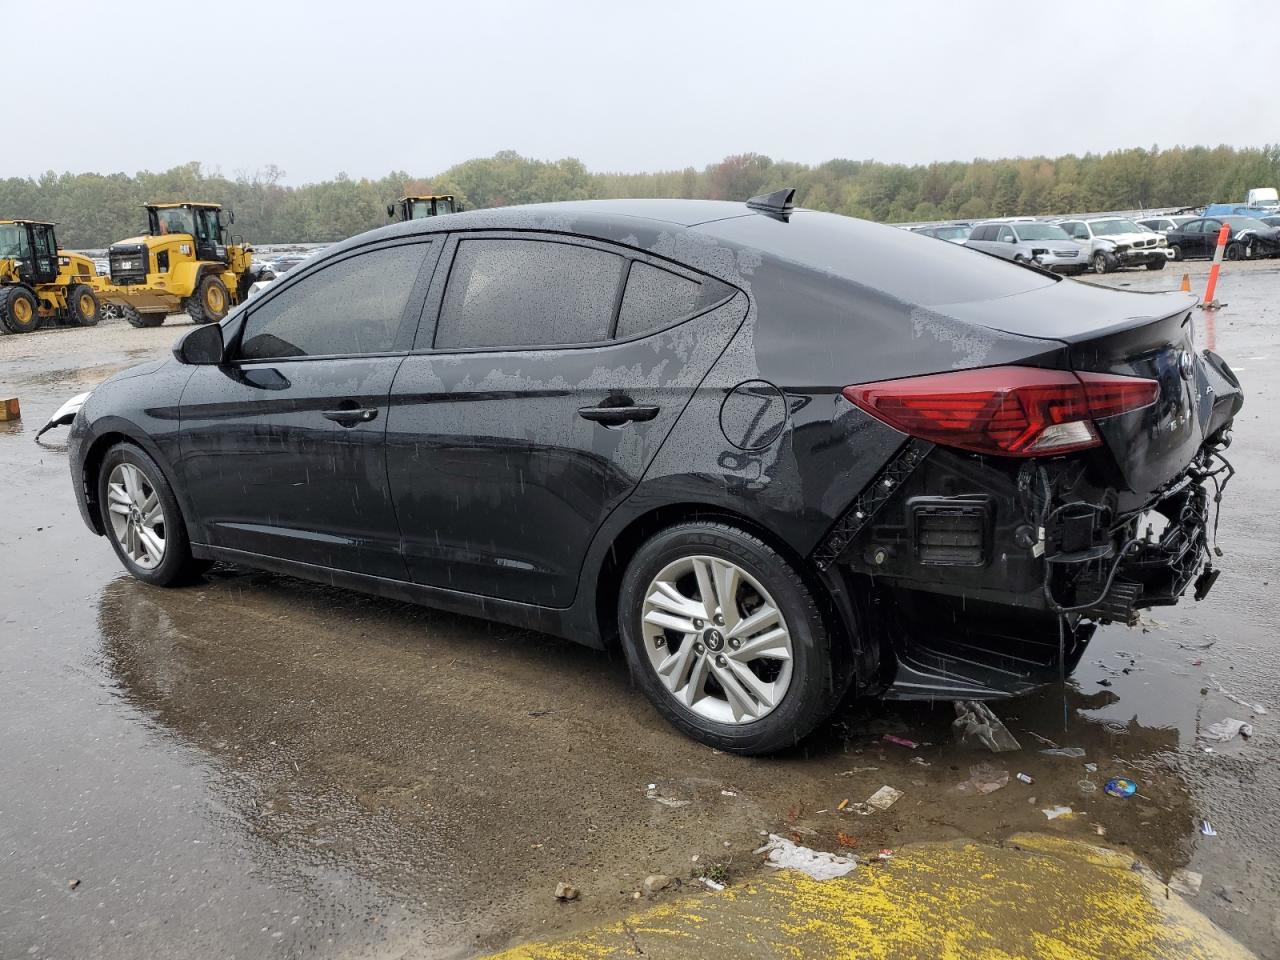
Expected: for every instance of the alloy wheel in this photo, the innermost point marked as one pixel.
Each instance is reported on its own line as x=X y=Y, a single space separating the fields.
x=137 y=515
x=717 y=640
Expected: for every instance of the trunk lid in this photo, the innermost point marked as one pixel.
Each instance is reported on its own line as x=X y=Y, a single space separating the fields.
x=1132 y=334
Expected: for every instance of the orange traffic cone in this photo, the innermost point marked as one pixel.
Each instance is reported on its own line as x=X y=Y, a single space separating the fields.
x=1186 y=283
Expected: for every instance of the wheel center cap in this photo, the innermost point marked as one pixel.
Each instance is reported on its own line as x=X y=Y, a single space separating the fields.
x=713 y=638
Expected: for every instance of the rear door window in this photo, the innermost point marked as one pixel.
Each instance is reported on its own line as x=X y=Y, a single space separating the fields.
x=352 y=307
x=655 y=298
x=508 y=292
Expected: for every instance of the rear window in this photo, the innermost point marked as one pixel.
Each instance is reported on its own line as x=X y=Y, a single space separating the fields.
x=527 y=293
x=655 y=298
x=907 y=267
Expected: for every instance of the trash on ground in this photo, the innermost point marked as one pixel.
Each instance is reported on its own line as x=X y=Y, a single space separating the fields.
x=921 y=762
x=785 y=855
x=884 y=798
x=1074 y=752
x=1053 y=813
x=1207 y=829
x=1121 y=787
x=1227 y=729
x=855 y=771
x=566 y=892
x=975 y=720
x=1257 y=708
x=72 y=884
x=1087 y=786
x=900 y=741
x=846 y=840
x=885 y=855
x=984 y=778
x=842 y=804
x=1099 y=829
x=728 y=793
x=1025 y=778
x=655 y=882
x=711 y=884
x=1045 y=740
x=10 y=409
x=1186 y=882
x=1091 y=767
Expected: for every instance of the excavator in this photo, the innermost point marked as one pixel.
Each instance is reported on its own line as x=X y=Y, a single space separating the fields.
x=40 y=283
x=415 y=208
x=185 y=263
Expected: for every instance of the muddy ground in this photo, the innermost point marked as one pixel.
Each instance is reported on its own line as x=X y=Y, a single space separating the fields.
x=257 y=766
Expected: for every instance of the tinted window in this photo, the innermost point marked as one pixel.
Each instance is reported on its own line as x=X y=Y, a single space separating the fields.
x=353 y=306
x=512 y=293
x=654 y=298
x=1195 y=226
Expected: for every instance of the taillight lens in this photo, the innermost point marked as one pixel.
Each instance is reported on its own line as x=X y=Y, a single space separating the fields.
x=1007 y=411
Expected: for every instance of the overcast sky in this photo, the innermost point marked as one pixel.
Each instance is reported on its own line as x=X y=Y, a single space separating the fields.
x=371 y=86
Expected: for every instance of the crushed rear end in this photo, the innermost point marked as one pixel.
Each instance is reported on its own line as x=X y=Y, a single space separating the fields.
x=1029 y=504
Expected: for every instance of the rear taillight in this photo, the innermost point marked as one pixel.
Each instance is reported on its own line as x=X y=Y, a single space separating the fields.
x=1007 y=411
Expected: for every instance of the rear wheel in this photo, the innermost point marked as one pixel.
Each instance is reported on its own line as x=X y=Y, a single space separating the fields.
x=19 y=310
x=141 y=319
x=83 y=306
x=726 y=639
x=141 y=518
x=210 y=302
x=1156 y=264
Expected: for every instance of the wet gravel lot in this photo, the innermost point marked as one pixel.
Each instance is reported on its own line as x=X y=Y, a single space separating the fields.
x=256 y=766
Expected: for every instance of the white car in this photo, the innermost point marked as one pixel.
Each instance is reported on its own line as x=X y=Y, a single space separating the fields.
x=1114 y=242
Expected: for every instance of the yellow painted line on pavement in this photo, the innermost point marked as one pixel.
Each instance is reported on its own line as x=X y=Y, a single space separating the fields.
x=1037 y=896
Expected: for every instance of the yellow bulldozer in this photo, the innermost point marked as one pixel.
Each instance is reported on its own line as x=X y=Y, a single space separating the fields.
x=184 y=264
x=40 y=283
x=415 y=208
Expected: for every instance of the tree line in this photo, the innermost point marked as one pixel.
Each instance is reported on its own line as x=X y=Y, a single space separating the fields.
x=93 y=210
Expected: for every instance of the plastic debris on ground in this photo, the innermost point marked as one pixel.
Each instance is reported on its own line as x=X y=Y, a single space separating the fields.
x=1091 y=767
x=785 y=855
x=711 y=884
x=1227 y=729
x=1026 y=778
x=651 y=791
x=884 y=855
x=855 y=771
x=1121 y=787
x=884 y=798
x=984 y=778
x=921 y=762
x=1186 y=882
x=975 y=721
x=900 y=741
x=1257 y=708
x=1053 y=813
x=1207 y=829
x=1073 y=752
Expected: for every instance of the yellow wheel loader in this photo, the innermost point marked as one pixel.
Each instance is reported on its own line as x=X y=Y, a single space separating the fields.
x=184 y=264
x=40 y=283
x=415 y=208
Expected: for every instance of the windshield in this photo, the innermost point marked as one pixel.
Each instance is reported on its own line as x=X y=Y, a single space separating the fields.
x=1040 y=231
x=419 y=209
x=12 y=241
x=950 y=233
x=175 y=220
x=1244 y=223
x=1109 y=228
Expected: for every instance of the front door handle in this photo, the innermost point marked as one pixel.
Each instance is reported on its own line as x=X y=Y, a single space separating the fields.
x=617 y=416
x=350 y=418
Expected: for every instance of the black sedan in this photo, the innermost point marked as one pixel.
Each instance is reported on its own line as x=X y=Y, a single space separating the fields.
x=775 y=455
x=1248 y=238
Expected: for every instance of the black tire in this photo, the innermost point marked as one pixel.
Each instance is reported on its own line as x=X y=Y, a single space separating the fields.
x=1102 y=262
x=1234 y=251
x=1156 y=264
x=137 y=319
x=19 y=309
x=210 y=302
x=82 y=306
x=177 y=566
x=819 y=673
x=1176 y=250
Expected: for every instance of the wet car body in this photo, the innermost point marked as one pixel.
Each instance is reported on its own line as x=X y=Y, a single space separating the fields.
x=491 y=481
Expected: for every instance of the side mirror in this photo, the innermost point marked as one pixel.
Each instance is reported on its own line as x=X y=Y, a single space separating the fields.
x=1010 y=239
x=203 y=345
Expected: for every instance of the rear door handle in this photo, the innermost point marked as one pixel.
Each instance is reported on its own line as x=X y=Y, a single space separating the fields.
x=350 y=418
x=617 y=416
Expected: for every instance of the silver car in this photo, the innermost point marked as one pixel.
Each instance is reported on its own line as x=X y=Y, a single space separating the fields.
x=1029 y=241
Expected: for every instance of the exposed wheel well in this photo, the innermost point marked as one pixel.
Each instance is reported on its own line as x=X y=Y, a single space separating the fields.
x=92 y=465
x=625 y=545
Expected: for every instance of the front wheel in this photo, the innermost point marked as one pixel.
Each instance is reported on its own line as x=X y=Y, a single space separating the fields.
x=1176 y=250
x=210 y=302
x=1102 y=263
x=1156 y=264
x=142 y=520
x=1234 y=251
x=724 y=636
x=83 y=306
